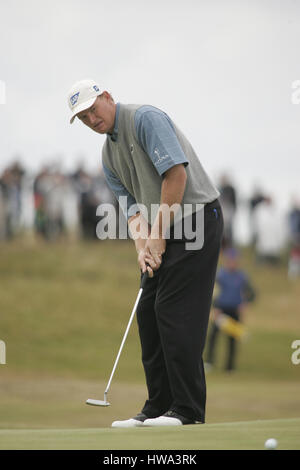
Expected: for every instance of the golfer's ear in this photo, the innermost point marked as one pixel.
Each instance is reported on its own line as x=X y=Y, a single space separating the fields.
x=107 y=96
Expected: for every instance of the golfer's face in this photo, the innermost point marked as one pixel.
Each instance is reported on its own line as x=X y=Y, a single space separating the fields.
x=100 y=117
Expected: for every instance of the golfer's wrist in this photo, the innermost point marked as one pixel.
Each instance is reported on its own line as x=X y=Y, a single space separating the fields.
x=140 y=246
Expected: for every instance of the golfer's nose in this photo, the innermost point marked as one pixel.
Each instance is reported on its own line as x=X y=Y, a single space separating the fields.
x=92 y=119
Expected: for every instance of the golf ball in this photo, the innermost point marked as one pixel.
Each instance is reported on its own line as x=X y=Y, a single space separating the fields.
x=271 y=444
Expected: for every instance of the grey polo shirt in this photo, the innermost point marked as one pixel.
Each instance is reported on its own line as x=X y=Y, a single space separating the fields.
x=157 y=137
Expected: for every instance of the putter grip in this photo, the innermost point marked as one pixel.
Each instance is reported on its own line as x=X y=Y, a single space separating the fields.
x=144 y=279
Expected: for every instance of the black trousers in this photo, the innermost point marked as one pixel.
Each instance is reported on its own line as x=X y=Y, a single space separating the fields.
x=173 y=317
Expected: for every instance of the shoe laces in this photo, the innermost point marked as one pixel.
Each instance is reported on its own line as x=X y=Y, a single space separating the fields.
x=170 y=413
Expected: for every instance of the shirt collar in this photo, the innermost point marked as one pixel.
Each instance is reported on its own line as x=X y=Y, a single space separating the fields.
x=114 y=135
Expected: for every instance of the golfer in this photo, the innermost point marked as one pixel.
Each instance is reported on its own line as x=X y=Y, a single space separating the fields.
x=150 y=164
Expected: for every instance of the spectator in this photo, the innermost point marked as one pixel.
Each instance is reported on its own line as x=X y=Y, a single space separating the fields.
x=294 y=222
x=70 y=209
x=254 y=202
x=11 y=182
x=88 y=203
x=271 y=232
x=294 y=238
x=229 y=204
x=235 y=292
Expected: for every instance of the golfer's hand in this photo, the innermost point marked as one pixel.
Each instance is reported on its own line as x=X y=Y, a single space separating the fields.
x=155 y=249
x=146 y=262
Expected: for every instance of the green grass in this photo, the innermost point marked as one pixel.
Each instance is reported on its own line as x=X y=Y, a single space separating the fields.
x=64 y=308
x=246 y=435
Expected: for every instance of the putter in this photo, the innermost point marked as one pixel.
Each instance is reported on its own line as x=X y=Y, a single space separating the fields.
x=104 y=402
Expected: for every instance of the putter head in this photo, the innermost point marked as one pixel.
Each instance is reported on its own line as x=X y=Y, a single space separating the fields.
x=92 y=402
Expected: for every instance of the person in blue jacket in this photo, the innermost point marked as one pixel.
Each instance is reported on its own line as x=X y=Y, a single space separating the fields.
x=235 y=292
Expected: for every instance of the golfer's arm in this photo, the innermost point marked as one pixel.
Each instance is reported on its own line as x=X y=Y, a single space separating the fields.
x=172 y=191
x=140 y=230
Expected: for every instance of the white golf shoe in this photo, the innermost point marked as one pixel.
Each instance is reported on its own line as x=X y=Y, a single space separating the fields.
x=135 y=422
x=170 y=418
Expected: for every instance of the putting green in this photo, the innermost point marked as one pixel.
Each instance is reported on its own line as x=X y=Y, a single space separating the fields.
x=237 y=435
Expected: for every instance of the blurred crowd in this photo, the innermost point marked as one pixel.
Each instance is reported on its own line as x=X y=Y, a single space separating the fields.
x=52 y=203
x=272 y=232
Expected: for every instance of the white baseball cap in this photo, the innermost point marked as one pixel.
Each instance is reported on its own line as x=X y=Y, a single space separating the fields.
x=82 y=95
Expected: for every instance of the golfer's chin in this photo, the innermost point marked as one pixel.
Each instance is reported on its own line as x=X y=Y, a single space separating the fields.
x=100 y=128
x=99 y=131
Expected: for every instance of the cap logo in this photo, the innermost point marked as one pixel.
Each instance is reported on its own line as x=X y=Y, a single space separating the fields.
x=96 y=88
x=74 y=98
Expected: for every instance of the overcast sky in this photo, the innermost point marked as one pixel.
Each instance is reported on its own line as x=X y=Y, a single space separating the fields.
x=222 y=69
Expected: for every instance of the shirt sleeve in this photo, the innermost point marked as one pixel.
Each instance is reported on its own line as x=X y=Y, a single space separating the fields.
x=158 y=139
x=125 y=199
